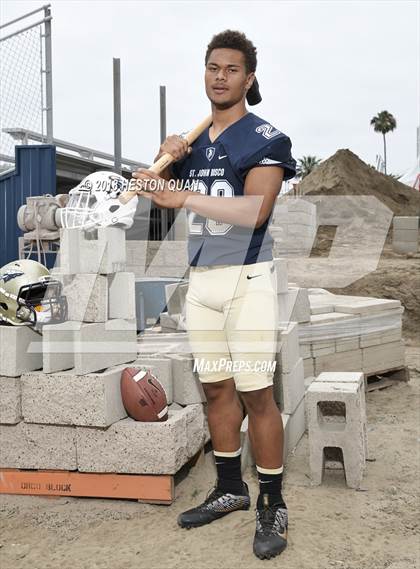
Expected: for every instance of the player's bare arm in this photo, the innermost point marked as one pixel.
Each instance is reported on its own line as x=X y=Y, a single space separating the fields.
x=262 y=186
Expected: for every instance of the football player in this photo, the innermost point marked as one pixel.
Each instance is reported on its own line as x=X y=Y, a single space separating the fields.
x=232 y=175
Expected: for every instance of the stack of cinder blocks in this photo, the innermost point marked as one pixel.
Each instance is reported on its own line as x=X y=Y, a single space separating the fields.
x=289 y=386
x=405 y=234
x=350 y=333
x=61 y=404
x=293 y=227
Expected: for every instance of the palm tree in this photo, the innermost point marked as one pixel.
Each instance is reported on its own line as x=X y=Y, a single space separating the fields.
x=384 y=122
x=306 y=164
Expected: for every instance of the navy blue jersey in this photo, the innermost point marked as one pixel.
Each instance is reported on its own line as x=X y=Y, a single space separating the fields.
x=219 y=169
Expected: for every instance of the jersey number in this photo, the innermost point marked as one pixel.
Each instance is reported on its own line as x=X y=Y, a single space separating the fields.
x=219 y=188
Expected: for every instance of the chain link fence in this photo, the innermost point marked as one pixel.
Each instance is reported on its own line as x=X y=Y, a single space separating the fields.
x=25 y=84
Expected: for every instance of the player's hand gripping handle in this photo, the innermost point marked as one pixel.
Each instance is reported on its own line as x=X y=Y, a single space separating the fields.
x=167 y=159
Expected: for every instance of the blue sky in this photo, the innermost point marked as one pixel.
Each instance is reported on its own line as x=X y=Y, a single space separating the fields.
x=324 y=68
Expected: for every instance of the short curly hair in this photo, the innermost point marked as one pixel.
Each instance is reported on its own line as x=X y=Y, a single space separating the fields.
x=230 y=39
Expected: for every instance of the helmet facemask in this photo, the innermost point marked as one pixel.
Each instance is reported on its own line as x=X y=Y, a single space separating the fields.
x=94 y=203
x=42 y=303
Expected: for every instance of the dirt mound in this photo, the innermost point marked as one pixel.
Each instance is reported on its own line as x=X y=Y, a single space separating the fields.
x=344 y=174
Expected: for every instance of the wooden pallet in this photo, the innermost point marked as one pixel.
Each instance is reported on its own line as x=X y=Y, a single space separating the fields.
x=153 y=489
x=385 y=378
x=148 y=488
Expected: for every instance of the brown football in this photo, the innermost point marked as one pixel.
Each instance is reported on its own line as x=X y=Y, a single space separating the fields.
x=143 y=396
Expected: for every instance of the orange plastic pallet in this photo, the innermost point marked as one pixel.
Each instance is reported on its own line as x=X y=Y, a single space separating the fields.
x=156 y=489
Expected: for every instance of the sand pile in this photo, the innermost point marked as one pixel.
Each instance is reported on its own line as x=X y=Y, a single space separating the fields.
x=344 y=174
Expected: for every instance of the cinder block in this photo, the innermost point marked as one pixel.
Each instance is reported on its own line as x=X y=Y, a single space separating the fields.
x=102 y=345
x=405 y=222
x=20 y=350
x=294 y=306
x=175 y=294
x=135 y=447
x=301 y=311
x=58 y=346
x=175 y=407
x=10 y=400
x=308 y=367
x=409 y=235
x=344 y=361
x=167 y=323
x=347 y=344
x=341 y=377
x=163 y=343
x=187 y=388
x=91 y=400
x=38 y=446
x=308 y=381
x=320 y=302
x=289 y=347
x=367 y=306
x=332 y=317
x=321 y=308
x=336 y=419
x=161 y=367
x=101 y=250
x=121 y=295
x=87 y=296
x=299 y=230
x=383 y=357
x=294 y=428
x=293 y=218
x=377 y=338
x=289 y=388
x=404 y=247
x=322 y=348
x=280 y=266
x=305 y=350
x=301 y=205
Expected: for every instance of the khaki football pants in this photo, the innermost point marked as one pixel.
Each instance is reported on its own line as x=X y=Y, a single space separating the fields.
x=232 y=322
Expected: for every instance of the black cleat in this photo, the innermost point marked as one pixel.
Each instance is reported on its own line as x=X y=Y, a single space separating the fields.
x=271 y=531
x=217 y=504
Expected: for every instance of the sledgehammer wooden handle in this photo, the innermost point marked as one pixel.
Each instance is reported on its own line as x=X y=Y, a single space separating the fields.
x=167 y=159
